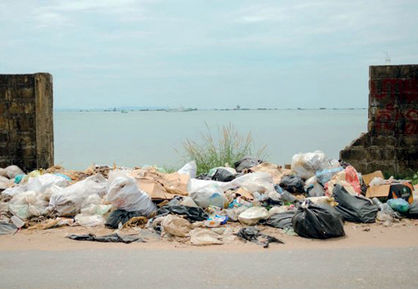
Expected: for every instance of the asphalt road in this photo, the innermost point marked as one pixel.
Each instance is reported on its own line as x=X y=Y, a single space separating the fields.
x=270 y=268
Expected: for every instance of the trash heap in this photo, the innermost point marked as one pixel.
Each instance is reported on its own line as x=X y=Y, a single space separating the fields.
x=312 y=199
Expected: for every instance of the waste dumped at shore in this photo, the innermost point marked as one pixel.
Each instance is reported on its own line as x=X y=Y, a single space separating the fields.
x=312 y=199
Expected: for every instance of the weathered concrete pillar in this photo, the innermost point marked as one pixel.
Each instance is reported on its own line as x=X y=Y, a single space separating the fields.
x=26 y=120
x=391 y=143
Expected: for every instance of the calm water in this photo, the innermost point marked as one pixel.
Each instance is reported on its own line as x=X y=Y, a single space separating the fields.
x=141 y=138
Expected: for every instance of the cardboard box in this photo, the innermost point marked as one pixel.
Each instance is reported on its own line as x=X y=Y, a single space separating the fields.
x=378 y=191
x=369 y=177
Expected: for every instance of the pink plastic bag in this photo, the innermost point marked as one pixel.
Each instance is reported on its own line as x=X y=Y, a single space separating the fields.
x=351 y=177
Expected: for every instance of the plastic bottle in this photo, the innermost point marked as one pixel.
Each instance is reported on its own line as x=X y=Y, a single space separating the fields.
x=378 y=203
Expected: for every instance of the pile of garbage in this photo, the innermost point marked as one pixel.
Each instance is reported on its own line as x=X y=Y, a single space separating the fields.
x=312 y=198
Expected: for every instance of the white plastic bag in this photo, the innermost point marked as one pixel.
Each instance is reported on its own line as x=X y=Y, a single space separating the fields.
x=189 y=169
x=28 y=204
x=12 y=191
x=4 y=183
x=210 y=195
x=306 y=164
x=196 y=185
x=3 y=173
x=93 y=205
x=260 y=182
x=68 y=201
x=12 y=171
x=43 y=182
x=252 y=215
x=124 y=194
x=89 y=221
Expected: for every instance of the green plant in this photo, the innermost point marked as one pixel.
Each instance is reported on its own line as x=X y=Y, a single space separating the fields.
x=224 y=149
x=414 y=179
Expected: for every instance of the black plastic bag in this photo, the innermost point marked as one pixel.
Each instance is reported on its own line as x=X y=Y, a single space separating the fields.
x=223 y=175
x=354 y=208
x=285 y=196
x=292 y=184
x=281 y=220
x=204 y=177
x=113 y=238
x=120 y=216
x=246 y=163
x=252 y=234
x=413 y=211
x=317 y=221
x=192 y=214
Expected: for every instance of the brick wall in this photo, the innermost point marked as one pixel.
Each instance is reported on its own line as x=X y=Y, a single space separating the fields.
x=391 y=143
x=26 y=121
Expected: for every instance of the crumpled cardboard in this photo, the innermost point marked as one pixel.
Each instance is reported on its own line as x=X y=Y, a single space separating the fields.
x=161 y=186
x=369 y=177
x=277 y=172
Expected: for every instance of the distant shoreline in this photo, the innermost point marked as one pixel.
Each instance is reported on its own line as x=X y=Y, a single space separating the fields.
x=126 y=110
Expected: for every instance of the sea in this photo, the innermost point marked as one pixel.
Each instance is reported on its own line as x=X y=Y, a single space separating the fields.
x=144 y=138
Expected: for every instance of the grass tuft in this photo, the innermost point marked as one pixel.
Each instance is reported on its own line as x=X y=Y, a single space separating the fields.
x=223 y=149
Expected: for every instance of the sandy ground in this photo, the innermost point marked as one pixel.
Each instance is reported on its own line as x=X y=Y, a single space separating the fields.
x=399 y=235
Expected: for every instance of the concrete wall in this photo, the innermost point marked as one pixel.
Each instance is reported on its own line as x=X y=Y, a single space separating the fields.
x=391 y=143
x=26 y=121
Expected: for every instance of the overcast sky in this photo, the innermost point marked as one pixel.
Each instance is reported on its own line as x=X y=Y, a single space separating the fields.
x=206 y=53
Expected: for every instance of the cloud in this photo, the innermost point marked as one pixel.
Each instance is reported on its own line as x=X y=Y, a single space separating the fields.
x=65 y=13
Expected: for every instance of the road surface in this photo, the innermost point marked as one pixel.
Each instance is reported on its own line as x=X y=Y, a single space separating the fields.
x=152 y=268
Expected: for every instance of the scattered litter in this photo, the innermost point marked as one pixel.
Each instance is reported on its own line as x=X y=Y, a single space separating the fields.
x=252 y=234
x=176 y=226
x=7 y=229
x=204 y=237
x=113 y=238
x=311 y=199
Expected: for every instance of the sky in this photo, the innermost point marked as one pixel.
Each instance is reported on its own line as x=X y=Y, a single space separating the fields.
x=207 y=53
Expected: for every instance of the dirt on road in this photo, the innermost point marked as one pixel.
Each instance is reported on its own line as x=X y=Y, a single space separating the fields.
x=402 y=234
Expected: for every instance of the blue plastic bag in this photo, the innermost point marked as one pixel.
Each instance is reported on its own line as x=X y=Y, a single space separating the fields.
x=399 y=205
